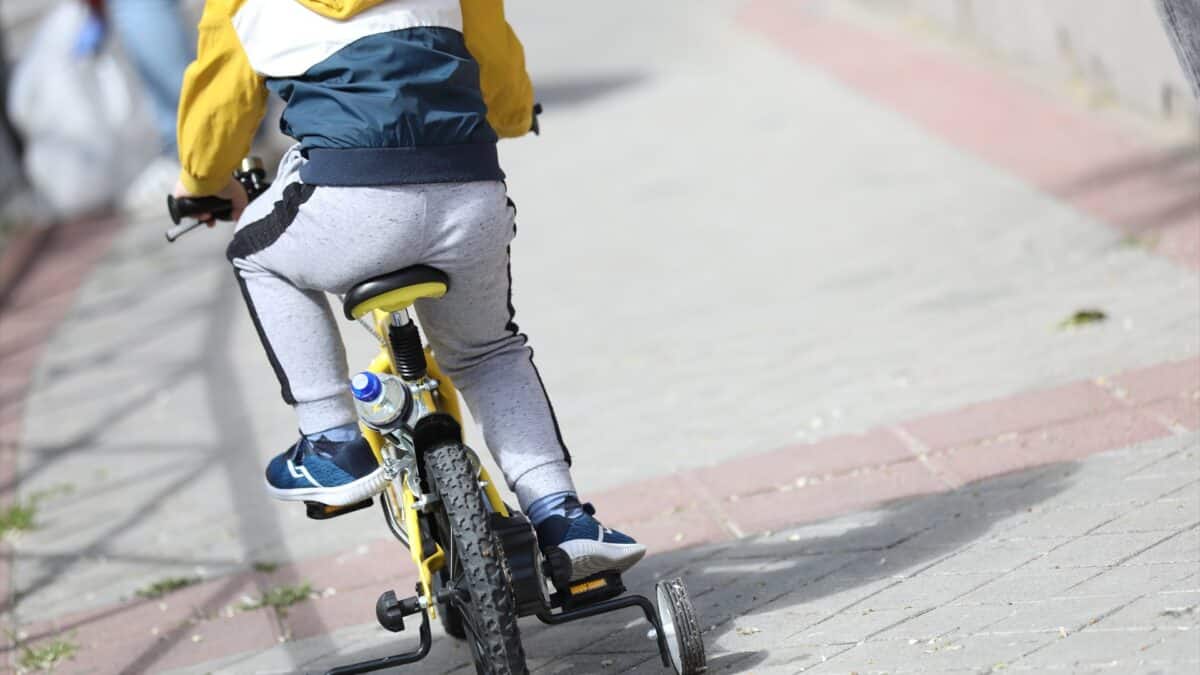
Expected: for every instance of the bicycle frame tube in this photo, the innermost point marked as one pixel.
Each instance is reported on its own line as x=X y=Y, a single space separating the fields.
x=404 y=505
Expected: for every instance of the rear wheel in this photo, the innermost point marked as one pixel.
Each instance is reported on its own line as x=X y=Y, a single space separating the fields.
x=476 y=566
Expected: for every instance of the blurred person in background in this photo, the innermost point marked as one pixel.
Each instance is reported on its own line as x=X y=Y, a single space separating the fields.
x=155 y=36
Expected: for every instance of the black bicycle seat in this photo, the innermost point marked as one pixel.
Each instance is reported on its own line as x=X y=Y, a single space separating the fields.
x=395 y=291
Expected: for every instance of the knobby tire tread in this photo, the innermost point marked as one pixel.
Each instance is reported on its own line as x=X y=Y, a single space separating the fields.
x=481 y=558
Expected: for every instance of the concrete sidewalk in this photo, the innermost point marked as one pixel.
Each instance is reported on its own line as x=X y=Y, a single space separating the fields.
x=778 y=267
x=1075 y=567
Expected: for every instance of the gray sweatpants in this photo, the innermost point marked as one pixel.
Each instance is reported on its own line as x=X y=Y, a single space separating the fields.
x=296 y=242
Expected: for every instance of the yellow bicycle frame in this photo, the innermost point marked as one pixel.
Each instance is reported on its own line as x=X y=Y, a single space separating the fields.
x=404 y=509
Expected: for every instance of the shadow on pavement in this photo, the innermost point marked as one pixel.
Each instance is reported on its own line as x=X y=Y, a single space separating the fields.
x=142 y=292
x=811 y=573
x=806 y=575
x=1176 y=170
x=241 y=468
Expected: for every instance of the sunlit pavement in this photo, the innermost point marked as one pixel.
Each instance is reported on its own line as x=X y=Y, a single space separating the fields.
x=766 y=289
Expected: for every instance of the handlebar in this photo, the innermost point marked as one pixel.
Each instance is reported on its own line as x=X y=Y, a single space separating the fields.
x=184 y=207
x=251 y=175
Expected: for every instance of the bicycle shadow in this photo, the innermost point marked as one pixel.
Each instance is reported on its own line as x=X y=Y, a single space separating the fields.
x=799 y=578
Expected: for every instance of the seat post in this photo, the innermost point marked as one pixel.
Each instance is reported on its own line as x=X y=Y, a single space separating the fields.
x=404 y=342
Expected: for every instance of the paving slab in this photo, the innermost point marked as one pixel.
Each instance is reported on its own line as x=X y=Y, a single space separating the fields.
x=776 y=612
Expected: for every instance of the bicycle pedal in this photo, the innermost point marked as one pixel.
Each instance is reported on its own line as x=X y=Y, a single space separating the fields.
x=319 y=511
x=590 y=590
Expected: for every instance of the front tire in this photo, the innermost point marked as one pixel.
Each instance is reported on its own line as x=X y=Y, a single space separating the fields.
x=476 y=563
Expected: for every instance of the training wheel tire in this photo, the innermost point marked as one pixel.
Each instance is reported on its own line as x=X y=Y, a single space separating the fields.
x=681 y=628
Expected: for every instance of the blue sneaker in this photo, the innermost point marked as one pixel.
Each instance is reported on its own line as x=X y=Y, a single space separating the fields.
x=325 y=471
x=591 y=547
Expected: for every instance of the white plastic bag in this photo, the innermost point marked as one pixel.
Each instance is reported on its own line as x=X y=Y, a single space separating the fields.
x=80 y=115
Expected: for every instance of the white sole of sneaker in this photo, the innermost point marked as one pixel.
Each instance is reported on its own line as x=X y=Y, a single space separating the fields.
x=342 y=495
x=593 y=557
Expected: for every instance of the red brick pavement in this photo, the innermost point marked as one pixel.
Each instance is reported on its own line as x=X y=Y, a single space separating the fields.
x=33 y=307
x=1078 y=157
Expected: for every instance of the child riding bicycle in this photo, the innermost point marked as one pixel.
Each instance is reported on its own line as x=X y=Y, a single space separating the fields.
x=396 y=107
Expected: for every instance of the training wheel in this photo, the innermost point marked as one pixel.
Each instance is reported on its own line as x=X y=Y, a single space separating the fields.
x=680 y=627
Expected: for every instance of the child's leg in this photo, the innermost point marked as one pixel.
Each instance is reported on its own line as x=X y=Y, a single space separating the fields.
x=299 y=333
x=296 y=325
x=478 y=344
x=295 y=243
x=292 y=245
x=279 y=237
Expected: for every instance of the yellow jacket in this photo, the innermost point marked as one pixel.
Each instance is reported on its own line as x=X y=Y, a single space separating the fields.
x=246 y=44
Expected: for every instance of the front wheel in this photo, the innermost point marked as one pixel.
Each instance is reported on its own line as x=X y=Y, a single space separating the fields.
x=476 y=564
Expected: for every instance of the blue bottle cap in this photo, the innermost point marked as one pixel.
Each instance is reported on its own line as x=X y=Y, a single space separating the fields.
x=366 y=386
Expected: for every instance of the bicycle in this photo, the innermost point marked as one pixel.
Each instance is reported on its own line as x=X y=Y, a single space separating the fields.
x=478 y=561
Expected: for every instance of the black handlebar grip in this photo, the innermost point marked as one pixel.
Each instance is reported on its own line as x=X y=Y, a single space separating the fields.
x=221 y=209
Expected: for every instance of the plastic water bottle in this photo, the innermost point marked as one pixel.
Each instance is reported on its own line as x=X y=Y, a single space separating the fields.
x=382 y=400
